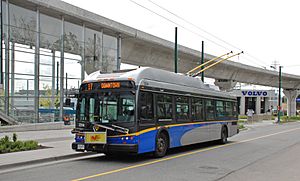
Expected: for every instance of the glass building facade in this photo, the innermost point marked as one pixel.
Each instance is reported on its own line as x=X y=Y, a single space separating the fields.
x=44 y=60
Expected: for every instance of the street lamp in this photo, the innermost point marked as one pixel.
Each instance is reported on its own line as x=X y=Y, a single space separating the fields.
x=279 y=93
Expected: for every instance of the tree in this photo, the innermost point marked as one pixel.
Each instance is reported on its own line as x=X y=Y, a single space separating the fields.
x=47 y=100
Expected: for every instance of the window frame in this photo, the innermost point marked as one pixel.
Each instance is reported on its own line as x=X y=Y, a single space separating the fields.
x=220 y=114
x=148 y=120
x=179 y=119
x=156 y=108
x=198 y=105
x=214 y=110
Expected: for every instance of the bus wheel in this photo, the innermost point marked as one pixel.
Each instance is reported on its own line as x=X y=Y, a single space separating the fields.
x=161 y=146
x=224 y=135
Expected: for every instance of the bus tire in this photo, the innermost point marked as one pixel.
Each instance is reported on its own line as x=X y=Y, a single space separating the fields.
x=161 y=145
x=224 y=135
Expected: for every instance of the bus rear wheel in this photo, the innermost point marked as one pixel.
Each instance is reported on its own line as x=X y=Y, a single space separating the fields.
x=161 y=145
x=224 y=135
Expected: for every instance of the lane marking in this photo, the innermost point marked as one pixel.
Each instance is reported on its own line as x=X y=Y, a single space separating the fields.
x=181 y=155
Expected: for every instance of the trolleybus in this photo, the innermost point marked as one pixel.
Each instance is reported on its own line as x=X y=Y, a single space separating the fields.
x=150 y=110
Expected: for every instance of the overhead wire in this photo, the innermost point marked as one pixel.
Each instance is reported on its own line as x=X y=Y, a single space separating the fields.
x=203 y=30
x=187 y=29
x=233 y=46
x=179 y=17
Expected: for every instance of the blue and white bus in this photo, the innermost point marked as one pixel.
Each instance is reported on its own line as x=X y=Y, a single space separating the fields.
x=150 y=110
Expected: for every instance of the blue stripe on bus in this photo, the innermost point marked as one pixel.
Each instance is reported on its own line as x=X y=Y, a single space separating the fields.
x=146 y=140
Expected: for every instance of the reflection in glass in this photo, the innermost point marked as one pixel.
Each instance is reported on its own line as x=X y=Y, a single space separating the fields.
x=23 y=25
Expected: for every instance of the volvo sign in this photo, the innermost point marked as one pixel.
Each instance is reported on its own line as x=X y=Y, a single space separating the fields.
x=255 y=93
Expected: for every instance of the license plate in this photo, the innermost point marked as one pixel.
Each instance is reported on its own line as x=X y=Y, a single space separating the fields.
x=80 y=147
x=95 y=138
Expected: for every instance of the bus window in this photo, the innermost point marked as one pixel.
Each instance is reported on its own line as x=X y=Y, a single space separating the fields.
x=197 y=109
x=127 y=107
x=228 y=109
x=92 y=110
x=164 y=106
x=210 y=109
x=109 y=109
x=146 y=106
x=235 y=111
x=116 y=108
x=182 y=108
x=82 y=109
x=220 y=109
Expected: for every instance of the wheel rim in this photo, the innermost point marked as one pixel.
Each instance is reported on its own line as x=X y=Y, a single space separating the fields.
x=161 y=145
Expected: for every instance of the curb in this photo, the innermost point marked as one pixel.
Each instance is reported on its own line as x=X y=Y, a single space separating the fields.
x=35 y=127
x=43 y=160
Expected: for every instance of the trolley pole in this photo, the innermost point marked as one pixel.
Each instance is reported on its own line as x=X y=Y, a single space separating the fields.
x=279 y=95
x=176 y=52
x=202 y=61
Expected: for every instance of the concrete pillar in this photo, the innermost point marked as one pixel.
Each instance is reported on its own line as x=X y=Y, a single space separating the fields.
x=291 y=101
x=242 y=106
x=225 y=84
x=258 y=105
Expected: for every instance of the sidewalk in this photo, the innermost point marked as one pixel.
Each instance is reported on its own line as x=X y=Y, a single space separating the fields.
x=259 y=123
x=58 y=143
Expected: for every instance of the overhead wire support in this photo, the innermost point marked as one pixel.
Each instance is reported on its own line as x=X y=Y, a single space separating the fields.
x=196 y=74
x=189 y=73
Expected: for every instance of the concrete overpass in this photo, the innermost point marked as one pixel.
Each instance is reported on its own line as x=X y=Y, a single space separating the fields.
x=143 y=49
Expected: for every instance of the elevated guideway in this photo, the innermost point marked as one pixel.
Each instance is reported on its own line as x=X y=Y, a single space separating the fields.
x=156 y=52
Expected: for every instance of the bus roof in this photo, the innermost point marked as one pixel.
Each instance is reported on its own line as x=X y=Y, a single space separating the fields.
x=140 y=75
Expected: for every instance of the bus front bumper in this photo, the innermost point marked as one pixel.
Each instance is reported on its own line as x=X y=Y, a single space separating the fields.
x=103 y=148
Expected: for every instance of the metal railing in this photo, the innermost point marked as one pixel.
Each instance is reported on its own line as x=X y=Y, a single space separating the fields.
x=18 y=115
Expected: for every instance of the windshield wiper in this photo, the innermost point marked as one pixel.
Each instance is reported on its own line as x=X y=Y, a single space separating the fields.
x=112 y=128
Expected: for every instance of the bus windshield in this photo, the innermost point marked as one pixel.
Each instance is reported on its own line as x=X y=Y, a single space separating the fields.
x=106 y=107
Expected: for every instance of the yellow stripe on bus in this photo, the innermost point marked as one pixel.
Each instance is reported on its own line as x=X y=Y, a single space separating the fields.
x=168 y=126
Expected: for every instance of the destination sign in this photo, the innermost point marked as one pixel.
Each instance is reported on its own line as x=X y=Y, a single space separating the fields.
x=110 y=85
x=107 y=85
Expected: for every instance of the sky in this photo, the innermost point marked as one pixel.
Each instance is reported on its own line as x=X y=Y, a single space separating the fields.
x=266 y=31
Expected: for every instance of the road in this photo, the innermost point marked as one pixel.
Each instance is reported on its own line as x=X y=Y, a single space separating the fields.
x=268 y=152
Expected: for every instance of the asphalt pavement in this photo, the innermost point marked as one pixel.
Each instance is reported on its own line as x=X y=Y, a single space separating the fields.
x=265 y=151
